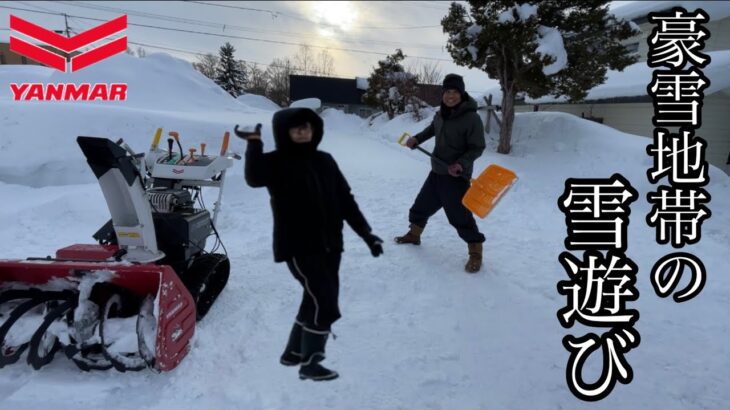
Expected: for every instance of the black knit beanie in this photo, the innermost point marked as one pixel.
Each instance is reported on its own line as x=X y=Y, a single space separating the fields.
x=456 y=82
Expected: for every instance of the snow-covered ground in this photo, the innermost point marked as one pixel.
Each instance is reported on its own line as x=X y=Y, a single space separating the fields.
x=416 y=332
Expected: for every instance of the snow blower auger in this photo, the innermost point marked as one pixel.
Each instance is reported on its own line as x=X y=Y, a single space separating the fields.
x=131 y=301
x=485 y=190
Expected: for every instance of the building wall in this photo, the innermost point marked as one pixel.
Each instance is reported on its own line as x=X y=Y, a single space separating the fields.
x=719 y=37
x=635 y=118
x=8 y=57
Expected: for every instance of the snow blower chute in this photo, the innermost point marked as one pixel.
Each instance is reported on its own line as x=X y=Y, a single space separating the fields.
x=130 y=301
x=485 y=190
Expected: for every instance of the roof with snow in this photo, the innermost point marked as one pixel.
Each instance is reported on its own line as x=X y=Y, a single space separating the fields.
x=631 y=83
x=637 y=10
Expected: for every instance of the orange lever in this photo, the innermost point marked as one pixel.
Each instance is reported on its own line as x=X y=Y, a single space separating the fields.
x=224 y=147
x=192 y=154
x=175 y=135
x=202 y=149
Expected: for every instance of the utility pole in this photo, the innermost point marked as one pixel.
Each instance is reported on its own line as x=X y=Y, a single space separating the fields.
x=65 y=18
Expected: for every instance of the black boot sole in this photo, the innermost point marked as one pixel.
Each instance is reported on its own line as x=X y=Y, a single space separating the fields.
x=320 y=378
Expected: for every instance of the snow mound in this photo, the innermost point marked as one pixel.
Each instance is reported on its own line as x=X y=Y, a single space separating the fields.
x=312 y=103
x=258 y=101
x=38 y=141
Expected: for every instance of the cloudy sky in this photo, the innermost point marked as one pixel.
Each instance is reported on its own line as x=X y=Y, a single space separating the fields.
x=356 y=33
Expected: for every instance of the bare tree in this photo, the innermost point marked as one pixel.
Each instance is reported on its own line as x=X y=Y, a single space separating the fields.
x=258 y=81
x=429 y=73
x=325 y=64
x=305 y=60
x=207 y=64
x=278 y=75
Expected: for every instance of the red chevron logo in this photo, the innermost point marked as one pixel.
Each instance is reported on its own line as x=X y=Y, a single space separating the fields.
x=68 y=44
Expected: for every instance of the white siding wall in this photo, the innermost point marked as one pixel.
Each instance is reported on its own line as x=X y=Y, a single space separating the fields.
x=635 y=118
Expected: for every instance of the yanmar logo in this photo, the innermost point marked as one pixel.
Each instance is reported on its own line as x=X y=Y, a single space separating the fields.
x=66 y=55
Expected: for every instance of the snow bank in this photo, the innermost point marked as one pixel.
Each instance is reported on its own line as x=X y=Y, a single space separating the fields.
x=37 y=143
x=258 y=101
x=312 y=103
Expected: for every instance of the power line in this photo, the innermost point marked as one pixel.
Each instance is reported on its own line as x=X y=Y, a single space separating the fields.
x=275 y=13
x=230 y=36
x=230 y=26
x=202 y=53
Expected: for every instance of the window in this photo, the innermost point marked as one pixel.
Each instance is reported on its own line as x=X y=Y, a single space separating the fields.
x=2 y=58
x=23 y=60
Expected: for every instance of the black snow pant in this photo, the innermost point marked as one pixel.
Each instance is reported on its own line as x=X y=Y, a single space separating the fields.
x=445 y=191
x=319 y=276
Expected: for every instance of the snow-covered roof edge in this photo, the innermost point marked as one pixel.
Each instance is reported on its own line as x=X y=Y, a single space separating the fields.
x=717 y=10
x=632 y=82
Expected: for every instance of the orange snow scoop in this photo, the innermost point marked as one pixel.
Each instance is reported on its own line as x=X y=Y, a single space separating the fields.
x=485 y=190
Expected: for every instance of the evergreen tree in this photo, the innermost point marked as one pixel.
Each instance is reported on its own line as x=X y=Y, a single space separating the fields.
x=558 y=47
x=230 y=74
x=391 y=88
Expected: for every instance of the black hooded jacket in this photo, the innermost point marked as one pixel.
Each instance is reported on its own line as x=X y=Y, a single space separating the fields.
x=310 y=197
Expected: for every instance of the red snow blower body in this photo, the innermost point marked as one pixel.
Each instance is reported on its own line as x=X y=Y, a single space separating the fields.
x=130 y=301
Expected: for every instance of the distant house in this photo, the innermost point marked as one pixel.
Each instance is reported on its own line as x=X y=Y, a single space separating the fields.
x=9 y=57
x=346 y=94
x=623 y=103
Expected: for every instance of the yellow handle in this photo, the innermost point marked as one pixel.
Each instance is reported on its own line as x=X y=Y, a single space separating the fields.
x=402 y=137
x=156 y=139
x=224 y=147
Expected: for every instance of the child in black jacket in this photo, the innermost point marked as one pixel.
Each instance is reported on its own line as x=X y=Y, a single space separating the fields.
x=310 y=199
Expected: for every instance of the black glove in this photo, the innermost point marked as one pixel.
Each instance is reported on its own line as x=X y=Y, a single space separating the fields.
x=248 y=132
x=374 y=243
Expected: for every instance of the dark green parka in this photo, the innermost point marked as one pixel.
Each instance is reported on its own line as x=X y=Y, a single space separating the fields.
x=459 y=136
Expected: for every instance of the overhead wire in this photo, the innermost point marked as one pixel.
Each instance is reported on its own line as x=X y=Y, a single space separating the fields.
x=226 y=26
x=231 y=36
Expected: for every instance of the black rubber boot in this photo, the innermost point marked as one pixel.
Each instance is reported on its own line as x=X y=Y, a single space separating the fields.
x=313 y=343
x=292 y=355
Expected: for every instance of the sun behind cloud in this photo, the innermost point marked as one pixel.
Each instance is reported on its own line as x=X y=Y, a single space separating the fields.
x=334 y=14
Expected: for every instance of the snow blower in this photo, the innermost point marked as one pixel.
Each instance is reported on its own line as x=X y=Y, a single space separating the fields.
x=130 y=301
x=485 y=190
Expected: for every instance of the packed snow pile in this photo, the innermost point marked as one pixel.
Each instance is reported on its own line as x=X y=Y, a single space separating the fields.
x=258 y=101
x=312 y=103
x=37 y=140
x=416 y=332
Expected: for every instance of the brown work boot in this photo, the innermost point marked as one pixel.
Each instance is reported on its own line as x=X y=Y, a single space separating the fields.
x=413 y=236
x=475 y=258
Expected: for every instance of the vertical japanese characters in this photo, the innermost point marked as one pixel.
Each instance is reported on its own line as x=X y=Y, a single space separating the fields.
x=678 y=209
x=599 y=285
x=597 y=212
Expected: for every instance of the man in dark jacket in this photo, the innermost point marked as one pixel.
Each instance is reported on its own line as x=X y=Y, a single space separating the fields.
x=459 y=136
x=310 y=199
